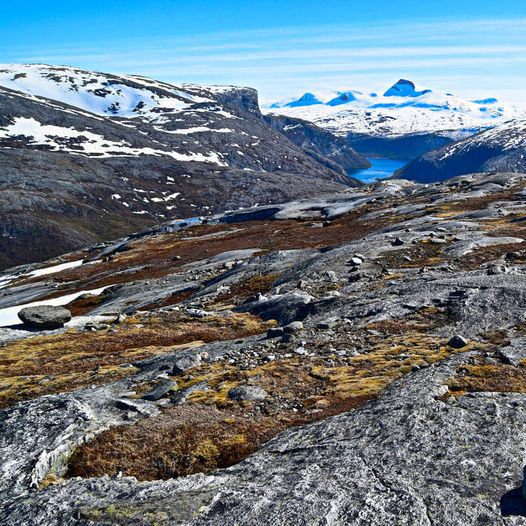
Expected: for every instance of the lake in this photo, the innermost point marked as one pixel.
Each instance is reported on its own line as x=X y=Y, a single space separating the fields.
x=380 y=169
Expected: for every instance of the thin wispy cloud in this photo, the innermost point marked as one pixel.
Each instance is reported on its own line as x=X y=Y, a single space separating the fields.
x=288 y=60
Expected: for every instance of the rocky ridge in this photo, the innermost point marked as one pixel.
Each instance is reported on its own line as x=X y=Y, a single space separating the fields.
x=375 y=334
x=501 y=149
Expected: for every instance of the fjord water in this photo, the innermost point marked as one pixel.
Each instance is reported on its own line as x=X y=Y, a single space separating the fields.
x=380 y=169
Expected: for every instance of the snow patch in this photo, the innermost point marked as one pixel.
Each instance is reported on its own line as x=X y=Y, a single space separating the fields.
x=88 y=143
x=9 y=315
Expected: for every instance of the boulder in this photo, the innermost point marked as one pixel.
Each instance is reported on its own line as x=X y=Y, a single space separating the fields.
x=457 y=342
x=45 y=317
x=285 y=308
x=355 y=261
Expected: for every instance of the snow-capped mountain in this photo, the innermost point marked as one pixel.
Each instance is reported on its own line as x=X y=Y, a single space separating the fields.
x=403 y=109
x=500 y=149
x=405 y=88
x=87 y=156
x=99 y=93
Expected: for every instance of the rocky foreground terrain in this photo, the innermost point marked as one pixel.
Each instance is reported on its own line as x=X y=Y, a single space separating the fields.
x=354 y=359
x=87 y=157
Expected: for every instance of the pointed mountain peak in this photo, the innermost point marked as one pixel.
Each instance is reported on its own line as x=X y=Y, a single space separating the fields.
x=405 y=88
x=307 y=99
x=344 y=97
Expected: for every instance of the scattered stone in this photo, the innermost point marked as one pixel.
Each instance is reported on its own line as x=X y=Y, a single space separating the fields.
x=301 y=351
x=326 y=325
x=355 y=261
x=457 y=342
x=285 y=308
x=293 y=327
x=497 y=269
x=95 y=327
x=302 y=284
x=45 y=317
x=288 y=338
x=513 y=255
x=119 y=319
x=199 y=313
x=251 y=393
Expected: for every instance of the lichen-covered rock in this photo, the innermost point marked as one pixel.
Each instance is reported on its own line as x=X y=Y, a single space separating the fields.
x=162 y=389
x=293 y=327
x=251 y=393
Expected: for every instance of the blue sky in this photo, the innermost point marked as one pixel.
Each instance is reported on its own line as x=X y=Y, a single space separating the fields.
x=474 y=48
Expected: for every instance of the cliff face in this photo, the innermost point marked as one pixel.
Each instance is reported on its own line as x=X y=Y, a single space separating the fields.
x=352 y=359
x=320 y=144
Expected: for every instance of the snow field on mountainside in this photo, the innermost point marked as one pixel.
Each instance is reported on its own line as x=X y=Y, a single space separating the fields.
x=88 y=143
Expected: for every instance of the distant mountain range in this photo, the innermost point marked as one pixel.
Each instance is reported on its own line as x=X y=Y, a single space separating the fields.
x=89 y=156
x=403 y=109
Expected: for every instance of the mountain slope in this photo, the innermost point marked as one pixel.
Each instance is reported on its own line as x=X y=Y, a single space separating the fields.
x=111 y=154
x=501 y=149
